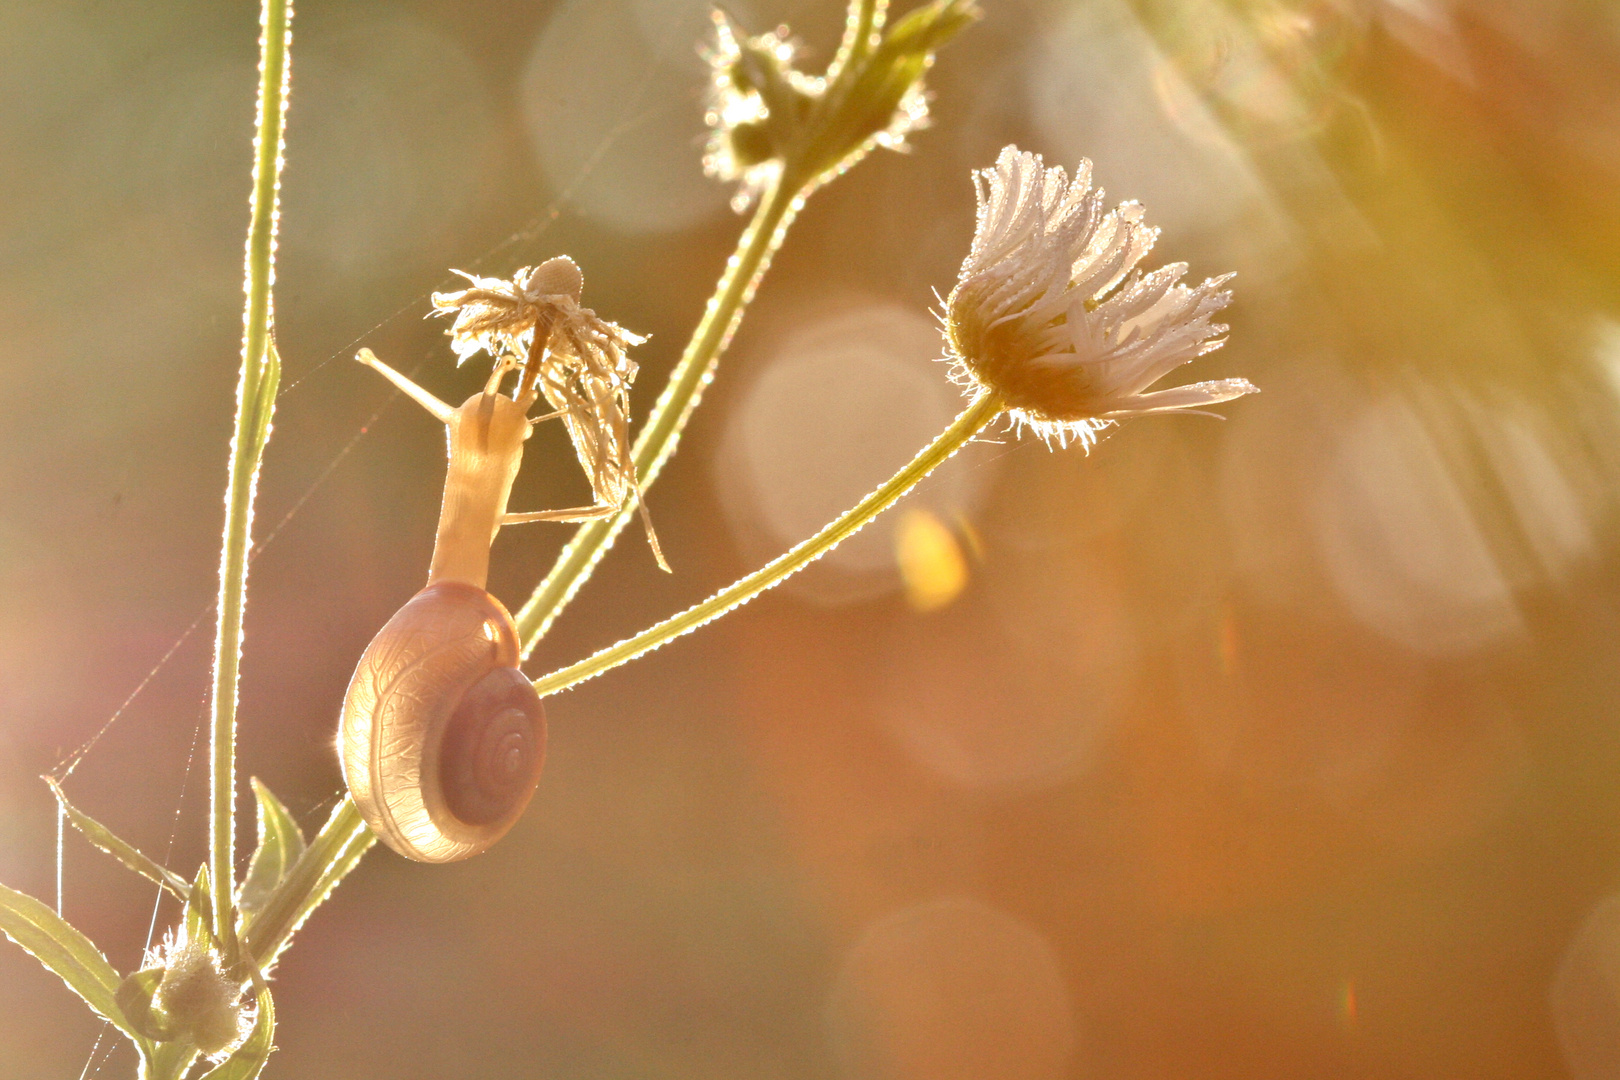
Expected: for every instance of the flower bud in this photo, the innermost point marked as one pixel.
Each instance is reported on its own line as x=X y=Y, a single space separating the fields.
x=197 y=998
x=767 y=117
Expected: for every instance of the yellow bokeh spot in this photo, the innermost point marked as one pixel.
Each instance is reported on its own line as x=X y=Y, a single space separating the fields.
x=932 y=564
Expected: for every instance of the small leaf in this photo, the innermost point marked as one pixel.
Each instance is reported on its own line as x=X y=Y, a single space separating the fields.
x=57 y=945
x=199 y=908
x=135 y=998
x=126 y=853
x=249 y=1057
x=168 y=1061
x=931 y=25
x=280 y=844
x=336 y=850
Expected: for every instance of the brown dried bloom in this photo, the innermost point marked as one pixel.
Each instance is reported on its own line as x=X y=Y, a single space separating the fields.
x=577 y=360
x=538 y=309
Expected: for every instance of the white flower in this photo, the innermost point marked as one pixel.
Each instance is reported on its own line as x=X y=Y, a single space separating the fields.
x=1050 y=312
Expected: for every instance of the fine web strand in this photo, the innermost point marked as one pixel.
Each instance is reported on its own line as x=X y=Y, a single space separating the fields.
x=95 y=1049
x=532 y=230
x=538 y=225
x=174 y=824
x=157 y=901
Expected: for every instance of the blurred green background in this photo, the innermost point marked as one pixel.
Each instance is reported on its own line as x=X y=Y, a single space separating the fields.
x=1285 y=746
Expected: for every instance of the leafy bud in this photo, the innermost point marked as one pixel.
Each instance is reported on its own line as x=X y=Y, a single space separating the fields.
x=197 y=999
x=767 y=118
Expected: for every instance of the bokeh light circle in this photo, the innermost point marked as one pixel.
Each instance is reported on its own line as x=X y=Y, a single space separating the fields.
x=1093 y=91
x=952 y=989
x=845 y=401
x=390 y=141
x=1401 y=542
x=612 y=99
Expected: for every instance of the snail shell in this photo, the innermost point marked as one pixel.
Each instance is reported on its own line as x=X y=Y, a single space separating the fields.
x=442 y=737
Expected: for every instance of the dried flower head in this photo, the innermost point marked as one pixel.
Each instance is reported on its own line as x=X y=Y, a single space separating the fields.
x=534 y=323
x=537 y=310
x=1050 y=312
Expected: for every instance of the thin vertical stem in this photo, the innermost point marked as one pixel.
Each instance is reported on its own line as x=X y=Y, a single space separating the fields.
x=662 y=431
x=255 y=399
x=984 y=409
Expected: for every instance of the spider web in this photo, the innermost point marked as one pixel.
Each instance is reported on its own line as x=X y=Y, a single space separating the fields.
x=632 y=116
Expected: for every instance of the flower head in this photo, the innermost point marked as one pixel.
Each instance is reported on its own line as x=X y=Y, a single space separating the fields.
x=501 y=317
x=1050 y=312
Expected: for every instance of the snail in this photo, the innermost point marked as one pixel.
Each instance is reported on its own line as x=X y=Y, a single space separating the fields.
x=442 y=737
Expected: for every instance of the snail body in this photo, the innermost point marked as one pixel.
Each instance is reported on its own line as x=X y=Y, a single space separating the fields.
x=442 y=736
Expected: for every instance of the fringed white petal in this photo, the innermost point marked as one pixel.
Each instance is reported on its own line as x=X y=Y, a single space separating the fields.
x=1051 y=312
x=1191 y=396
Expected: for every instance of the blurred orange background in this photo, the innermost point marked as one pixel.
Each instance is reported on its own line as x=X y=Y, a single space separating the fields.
x=1285 y=746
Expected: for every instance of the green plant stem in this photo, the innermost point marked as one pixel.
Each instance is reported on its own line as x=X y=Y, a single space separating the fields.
x=336 y=850
x=255 y=397
x=662 y=431
x=985 y=408
x=860 y=30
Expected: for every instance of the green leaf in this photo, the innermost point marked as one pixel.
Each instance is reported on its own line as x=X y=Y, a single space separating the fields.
x=249 y=1057
x=134 y=997
x=280 y=845
x=336 y=849
x=57 y=945
x=168 y=1061
x=264 y=403
x=199 y=912
x=126 y=853
x=931 y=25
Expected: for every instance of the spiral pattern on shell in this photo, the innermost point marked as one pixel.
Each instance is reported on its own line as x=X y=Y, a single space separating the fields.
x=442 y=738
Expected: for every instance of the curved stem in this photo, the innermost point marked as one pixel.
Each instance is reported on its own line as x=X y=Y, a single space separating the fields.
x=985 y=408
x=255 y=399
x=334 y=851
x=860 y=29
x=662 y=431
